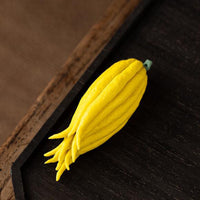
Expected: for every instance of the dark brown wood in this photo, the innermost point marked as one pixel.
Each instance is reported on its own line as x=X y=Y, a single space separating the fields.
x=156 y=155
x=60 y=85
x=36 y=39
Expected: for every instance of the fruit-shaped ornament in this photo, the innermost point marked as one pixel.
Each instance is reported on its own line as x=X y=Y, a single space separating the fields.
x=103 y=110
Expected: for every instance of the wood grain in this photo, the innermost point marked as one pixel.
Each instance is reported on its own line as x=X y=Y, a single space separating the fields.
x=36 y=39
x=58 y=88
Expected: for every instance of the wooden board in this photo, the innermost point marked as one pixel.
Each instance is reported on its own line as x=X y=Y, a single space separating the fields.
x=156 y=155
x=36 y=38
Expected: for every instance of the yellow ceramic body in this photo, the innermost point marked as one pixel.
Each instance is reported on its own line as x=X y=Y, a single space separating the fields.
x=103 y=110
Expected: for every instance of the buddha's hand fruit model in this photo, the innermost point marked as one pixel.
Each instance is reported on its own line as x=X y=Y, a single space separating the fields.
x=103 y=110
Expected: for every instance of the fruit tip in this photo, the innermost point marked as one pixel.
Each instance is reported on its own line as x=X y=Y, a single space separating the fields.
x=67 y=167
x=46 y=154
x=46 y=162
x=51 y=137
x=57 y=178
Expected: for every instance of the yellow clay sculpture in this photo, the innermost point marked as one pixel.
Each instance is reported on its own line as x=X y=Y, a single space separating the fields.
x=103 y=110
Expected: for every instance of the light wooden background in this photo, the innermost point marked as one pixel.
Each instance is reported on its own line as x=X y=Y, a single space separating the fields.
x=36 y=38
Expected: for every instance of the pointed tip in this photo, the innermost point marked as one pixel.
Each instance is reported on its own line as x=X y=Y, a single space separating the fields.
x=78 y=144
x=73 y=152
x=57 y=177
x=59 y=135
x=46 y=162
x=60 y=172
x=51 y=160
x=78 y=141
x=73 y=158
x=53 y=137
x=57 y=168
x=47 y=154
x=67 y=167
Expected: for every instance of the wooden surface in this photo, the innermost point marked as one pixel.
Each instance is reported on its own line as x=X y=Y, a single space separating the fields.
x=156 y=155
x=36 y=39
x=58 y=87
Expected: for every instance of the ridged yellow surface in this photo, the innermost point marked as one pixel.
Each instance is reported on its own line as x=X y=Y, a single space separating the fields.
x=103 y=110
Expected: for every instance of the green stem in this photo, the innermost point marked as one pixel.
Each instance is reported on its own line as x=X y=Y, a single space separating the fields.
x=147 y=64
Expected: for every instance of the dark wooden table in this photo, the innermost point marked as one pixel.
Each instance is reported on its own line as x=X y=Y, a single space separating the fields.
x=157 y=155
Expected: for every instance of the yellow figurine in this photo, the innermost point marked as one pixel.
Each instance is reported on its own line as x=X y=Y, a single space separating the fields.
x=103 y=110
